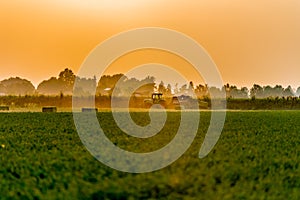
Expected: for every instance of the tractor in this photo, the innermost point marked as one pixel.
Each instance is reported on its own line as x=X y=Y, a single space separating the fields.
x=155 y=100
x=176 y=102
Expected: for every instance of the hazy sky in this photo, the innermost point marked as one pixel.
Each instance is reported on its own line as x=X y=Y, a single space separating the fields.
x=255 y=41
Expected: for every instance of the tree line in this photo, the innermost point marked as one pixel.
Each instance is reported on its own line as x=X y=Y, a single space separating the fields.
x=64 y=83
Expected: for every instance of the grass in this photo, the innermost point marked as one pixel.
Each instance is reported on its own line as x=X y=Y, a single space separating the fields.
x=257 y=157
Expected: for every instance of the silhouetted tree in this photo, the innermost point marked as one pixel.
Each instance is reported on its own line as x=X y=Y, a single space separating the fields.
x=201 y=91
x=183 y=89
x=268 y=91
x=245 y=92
x=256 y=91
x=54 y=86
x=239 y=93
x=190 y=89
x=176 y=90
x=85 y=86
x=17 y=86
x=67 y=79
x=148 y=85
x=3 y=89
x=288 y=92
x=215 y=92
x=298 y=91
x=233 y=92
x=50 y=87
x=227 y=90
x=168 y=90
x=107 y=83
x=126 y=87
x=277 y=91
x=161 y=88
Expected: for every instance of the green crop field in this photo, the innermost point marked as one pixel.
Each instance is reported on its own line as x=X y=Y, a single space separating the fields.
x=257 y=157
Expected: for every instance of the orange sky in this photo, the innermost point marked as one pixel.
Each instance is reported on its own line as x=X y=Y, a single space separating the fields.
x=254 y=41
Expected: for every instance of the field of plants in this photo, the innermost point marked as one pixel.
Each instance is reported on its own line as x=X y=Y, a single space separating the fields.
x=257 y=157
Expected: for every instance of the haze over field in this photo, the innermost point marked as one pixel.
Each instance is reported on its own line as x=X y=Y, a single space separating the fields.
x=138 y=130
x=250 y=41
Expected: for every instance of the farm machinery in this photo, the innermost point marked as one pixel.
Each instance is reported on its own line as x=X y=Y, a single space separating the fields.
x=177 y=103
x=156 y=99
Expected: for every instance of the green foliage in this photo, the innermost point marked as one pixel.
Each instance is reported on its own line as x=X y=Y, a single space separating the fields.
x=257 y=157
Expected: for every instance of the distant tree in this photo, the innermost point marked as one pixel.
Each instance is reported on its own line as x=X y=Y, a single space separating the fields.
x=298 y=91
x=256 y=91
x=190 y=89
x=126 y=87
x=161 y=88
x=215 y=92
x=183 y=89
x=67 y=76
x=245 y=92
x=67 y=79
x=201 y=91
x=233 y=92
x=277 y=91
x=85 y=86
x=54 y=86
x=168 y=90
x=17 y=86
x=268 y=91
x=50 y=87
x=288 y=92
x=148 y=85
x=107 y=83
x=227 y=89
x=176 y=90
x=3 y=89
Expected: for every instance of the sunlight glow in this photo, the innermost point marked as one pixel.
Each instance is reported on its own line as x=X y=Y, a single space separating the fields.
x=107 y=5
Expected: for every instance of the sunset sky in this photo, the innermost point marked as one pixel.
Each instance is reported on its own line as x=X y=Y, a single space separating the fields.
x=255 y=41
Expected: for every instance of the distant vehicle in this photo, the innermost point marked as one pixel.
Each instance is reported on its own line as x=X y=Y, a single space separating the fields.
x=175 y=102
x=156 y=98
